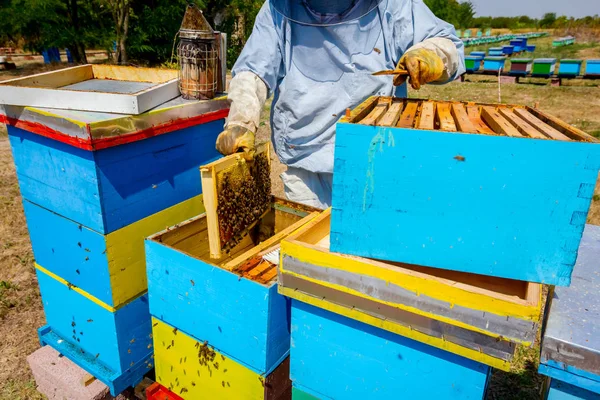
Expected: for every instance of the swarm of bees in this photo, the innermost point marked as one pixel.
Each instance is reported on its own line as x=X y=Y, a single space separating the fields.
x=244 y=195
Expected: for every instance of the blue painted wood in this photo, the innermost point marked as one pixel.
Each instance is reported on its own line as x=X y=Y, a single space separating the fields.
x=116 y=382
x=572 y=375
x=116 y=340
x=401 y=195
x=592 y=67
x=57 y=176
x=571 y=341
x=509 y=50
x=569 y=67
x=111 y=188
x=479 y=54
x=340 y=358
x=247 y=321
x=559 y=390
x=75 y=253
x=493 y=64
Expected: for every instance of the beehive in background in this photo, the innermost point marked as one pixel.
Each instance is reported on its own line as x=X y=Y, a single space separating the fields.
x=489 y=189
x=94 y=185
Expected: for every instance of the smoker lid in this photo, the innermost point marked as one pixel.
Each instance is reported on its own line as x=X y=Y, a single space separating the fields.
x=195 y=25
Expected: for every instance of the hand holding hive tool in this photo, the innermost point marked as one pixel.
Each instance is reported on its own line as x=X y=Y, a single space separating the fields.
x=422 y=65
x=236 y=139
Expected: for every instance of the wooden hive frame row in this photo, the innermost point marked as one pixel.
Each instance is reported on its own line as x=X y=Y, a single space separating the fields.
x=465 y=117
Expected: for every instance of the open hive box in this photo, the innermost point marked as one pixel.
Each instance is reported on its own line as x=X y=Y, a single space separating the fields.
x=230 y=302
x=499 y=190
x=479 y=317
x=101 y=88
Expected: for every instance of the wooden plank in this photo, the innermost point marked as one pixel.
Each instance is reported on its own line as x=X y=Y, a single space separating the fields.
x=191 y=368
x=475 y=117
x=540 y=125
x=444 y=117
x=378 y=112
x=461 y=118
x=427 y=116
x=268 y=276
x=87 y=379
x=268 y=243
x=316 y=331
x=570 y=131
x=498 y=123
x=46 y=90
x=259 y=269
x=363 y=109
x=54 y=79
x=520 y=124
x=94 y=327
x=407 y=119
x=134 y=74
x=392 y=115
x=196 y=288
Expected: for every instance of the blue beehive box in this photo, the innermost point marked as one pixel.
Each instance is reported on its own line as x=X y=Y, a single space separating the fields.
x=237 y=312
x=334 y=357
x=494 y=64
x=495 y=52
x=478 y=54
x=508 y=50
x=114 y=345
x=569 y=68
x=592 y=68
x=530 y=48
x=419 y=192
x=570 y=351
x=106 y=171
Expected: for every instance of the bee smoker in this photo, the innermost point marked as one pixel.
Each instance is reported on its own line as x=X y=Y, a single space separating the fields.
x=200 y=53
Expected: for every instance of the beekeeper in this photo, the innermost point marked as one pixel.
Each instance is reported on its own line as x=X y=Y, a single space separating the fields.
x=316 y=58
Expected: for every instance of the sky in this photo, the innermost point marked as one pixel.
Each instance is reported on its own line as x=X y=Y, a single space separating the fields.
x=536 y=8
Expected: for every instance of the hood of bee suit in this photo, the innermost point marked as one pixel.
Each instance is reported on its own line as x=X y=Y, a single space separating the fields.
x=324 y=12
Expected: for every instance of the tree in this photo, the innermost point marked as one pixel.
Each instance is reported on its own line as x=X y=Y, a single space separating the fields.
x=548 y=20
x=77 y=47
x=465 y=14
x=120 y=11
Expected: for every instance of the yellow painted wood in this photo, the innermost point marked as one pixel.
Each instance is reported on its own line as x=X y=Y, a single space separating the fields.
x=125 y=248
x=419 y=285
x=135 y=74
x=54 y=79
x=193 y=370
x=75 y=288
x=396 y=328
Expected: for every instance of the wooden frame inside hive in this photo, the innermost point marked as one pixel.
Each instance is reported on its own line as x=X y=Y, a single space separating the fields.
x=237 y=194
x=464 y=117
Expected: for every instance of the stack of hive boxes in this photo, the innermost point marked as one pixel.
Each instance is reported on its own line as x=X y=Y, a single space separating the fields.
x=471 y=207
x=221 y=330
x=94 y=185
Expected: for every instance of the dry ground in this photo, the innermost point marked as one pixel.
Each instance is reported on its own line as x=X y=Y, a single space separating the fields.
x=20 y=304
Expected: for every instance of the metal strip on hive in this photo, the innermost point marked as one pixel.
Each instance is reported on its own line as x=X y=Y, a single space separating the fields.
x=381 y=291
x=497 y=348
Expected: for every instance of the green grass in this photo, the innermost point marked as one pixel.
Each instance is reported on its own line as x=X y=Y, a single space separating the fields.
x=19 y=390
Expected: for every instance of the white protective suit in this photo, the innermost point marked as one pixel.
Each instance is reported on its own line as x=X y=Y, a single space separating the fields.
x=316 y=71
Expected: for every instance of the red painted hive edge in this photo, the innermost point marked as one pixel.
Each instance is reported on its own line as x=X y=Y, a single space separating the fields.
x=87 y=144
x=158 y=392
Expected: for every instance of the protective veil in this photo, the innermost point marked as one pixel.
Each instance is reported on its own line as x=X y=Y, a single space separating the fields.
x=318 y=64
